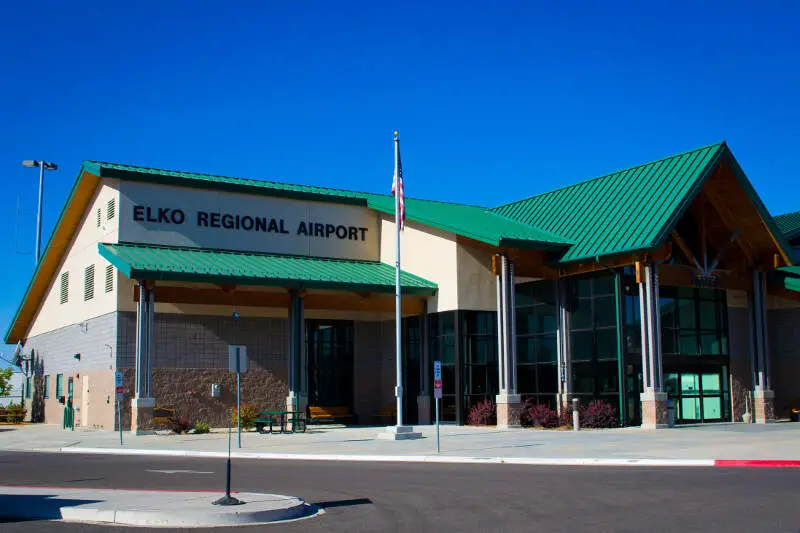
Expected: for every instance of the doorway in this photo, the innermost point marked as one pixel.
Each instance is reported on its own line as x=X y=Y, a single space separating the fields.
x=329 y=346
x=85 y=401
x=699 y=395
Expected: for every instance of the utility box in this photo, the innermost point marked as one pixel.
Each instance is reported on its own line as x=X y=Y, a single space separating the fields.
x=216 y=390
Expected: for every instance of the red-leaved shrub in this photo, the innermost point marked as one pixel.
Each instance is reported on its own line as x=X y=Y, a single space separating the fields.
x=542 y=416
x=598 y=414
x=482 y=414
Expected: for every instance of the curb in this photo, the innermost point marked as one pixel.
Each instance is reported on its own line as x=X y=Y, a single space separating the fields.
x=441 y=459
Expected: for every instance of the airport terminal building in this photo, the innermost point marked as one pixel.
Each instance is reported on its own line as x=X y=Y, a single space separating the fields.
x=669 y=280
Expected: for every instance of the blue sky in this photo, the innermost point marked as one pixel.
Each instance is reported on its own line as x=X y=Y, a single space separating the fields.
x=494 y=100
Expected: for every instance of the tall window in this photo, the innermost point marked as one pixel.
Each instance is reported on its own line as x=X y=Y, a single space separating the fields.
x=59 y=385
x=28 y=387
x=443 y=348
x=46 y=387
x=693 y=322
x=593 y=336
x=479 y=356
x=537 y=341
x=412 y=354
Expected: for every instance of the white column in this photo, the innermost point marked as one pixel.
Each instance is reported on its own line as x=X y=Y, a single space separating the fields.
x=506 y=324
x=658 y=356
x=151 y=341
x=512 y=337
x=141 y=341
x=501 y=338
x=645 y=327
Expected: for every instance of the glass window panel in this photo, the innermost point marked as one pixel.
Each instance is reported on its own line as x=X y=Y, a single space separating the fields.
x=671 y=384
x=479 y=350
x=582 y=287
x=526 y=320
x=607 y=377
x=526 y=379
x=524 y=294
x=475 y=379
x=603 y=285
x=448 y=379
x=606 y=344
x=708 y=314
x=712 y=408
x=548 y=318
x=633 y=340
x=688 y=342
x=582 y=378
x=725 y=378
x=547 y=349
x=706 y=294
x=685 y=292
x=690 y=384
x=669 y=344
x=548 y=378
x=545 y=291
x=690 y=408
x=582 y=346
x=526 y=349
x=448 y=350
x=710 y=383
x=710 y=343
x=686 y=315
x=581 y=316
x=669 y=310
x=605 y=311
x=479 y=323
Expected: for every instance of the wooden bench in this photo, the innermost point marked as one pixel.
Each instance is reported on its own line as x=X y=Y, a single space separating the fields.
x=386 y=414
x=162 y=415
x=12 y=415
x=318 y=414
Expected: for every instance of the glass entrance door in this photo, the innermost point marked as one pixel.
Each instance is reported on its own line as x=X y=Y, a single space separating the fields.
x=330 y=362
x=699 y=396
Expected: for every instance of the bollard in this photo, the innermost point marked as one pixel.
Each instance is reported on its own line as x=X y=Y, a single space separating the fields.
x=576 y=417
x=671 y=413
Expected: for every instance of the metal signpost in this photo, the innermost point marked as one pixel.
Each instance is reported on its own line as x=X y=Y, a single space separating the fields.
x=437 y=395
x=118 y=384
x=237 y=361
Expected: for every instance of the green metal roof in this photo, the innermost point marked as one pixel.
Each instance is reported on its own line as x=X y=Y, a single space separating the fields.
x=788 y=277
x=789 y=224
x=198 y=265
x=469 y=221
x=629 y=211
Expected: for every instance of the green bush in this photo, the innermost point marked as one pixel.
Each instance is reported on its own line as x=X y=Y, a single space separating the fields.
x=248 y=416
x=201 y=427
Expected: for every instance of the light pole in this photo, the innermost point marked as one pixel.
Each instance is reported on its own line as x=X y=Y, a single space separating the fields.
x=42 y=165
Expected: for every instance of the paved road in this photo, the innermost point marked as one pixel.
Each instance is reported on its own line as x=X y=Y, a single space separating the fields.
x=378 y=497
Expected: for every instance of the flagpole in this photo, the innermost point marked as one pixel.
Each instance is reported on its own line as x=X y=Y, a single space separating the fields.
x=398 y=316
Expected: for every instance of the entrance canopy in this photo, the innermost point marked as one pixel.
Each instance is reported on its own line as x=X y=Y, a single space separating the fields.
x=199 y=265
x=788 y=278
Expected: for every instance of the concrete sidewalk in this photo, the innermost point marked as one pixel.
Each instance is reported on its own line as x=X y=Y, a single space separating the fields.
x=707 y=443
x=174 y=509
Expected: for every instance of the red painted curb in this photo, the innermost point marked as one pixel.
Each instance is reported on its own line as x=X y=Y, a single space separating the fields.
x=756 y=463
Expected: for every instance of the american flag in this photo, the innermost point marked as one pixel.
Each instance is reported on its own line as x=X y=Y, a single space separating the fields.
x=397 y=183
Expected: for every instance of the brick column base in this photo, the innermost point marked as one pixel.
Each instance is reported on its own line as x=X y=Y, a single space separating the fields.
x=764 y=406
x=509 y=408
x=654 y=410
x=424 y=409
x=142 y=415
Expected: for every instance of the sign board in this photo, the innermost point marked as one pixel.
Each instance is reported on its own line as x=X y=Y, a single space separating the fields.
x=437 y=380
x=237 y=358
x=118 y=380
x=192 y=217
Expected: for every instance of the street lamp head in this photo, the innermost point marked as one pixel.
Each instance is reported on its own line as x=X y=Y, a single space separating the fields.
x=32 y=163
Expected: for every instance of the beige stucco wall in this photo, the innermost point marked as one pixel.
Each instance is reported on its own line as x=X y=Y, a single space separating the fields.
x=477 y=287
x=429 y=253
x=81 y=253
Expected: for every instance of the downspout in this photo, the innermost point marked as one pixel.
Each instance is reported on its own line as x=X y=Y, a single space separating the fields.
x=618 y=321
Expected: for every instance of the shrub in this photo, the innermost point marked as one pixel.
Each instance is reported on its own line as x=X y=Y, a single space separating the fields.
x=482 y=414
x=565 y=417
x=201 y=427
x=598 y=414
x=249 y=415
x=540 y=415
x=179 y=424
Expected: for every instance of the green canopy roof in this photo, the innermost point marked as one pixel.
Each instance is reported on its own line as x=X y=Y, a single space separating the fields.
x=198 y=265
x=788 y=277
